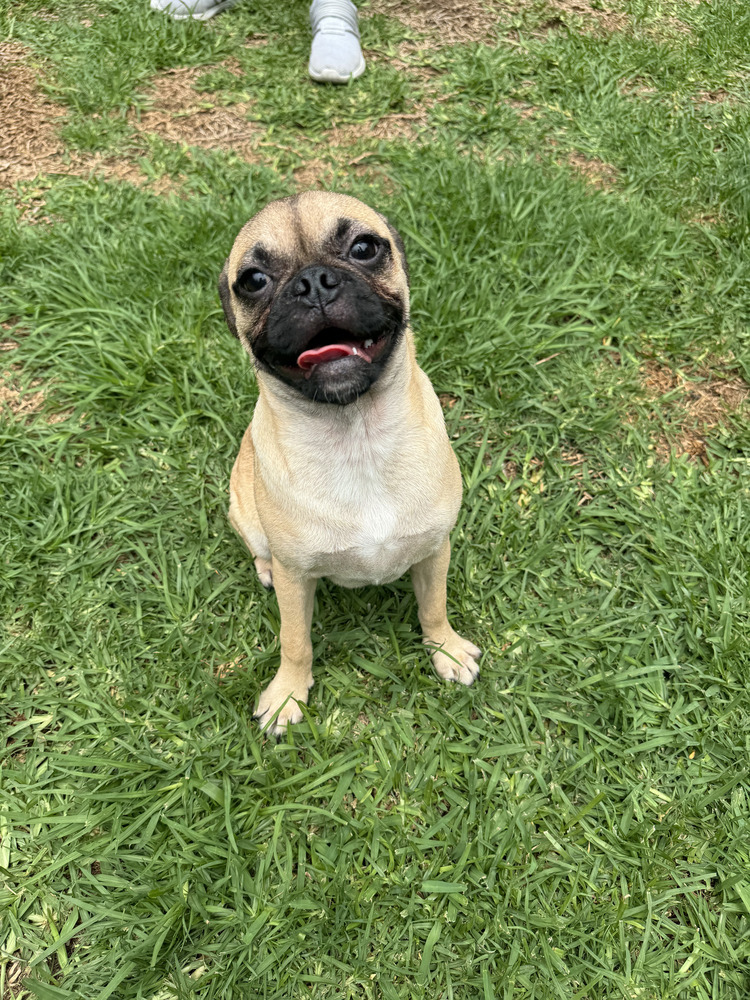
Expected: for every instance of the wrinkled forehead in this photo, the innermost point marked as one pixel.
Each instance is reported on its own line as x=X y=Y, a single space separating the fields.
x=296 y=229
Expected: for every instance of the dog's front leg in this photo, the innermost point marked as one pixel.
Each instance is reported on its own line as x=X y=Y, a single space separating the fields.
x=455 y=658
x=294 y=677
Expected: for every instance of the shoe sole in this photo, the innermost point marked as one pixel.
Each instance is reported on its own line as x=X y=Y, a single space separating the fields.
x=332 y=76
x=204 y=16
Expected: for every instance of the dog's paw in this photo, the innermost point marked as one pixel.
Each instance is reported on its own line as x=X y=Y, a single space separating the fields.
x=456 y=659
x=265 y=573
x=281 y=697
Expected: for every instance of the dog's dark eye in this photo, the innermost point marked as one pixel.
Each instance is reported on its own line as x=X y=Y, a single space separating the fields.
x=365 y=248
x=252 y=281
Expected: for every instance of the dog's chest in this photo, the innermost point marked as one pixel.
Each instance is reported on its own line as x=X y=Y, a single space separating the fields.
x=377 y=547
x=377 y=544
x=368 y=506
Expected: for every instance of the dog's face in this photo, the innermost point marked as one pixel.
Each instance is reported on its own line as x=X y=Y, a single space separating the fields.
x=316 y=289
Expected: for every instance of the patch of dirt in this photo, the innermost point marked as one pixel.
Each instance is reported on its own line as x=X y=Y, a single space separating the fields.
x=636 y=87
x=8 y=343
x=605 y=20
x=449 y=21
x=178 y=113
x=524 y=109
x=395 y=126
x=224 y=670
x=325 y=175
x=698 y=401
x=410 y=57
x=706 y=220
x=595 y=171
x=332 y=157
x=673 y=25
x=28 y=138
x=713 y=96
x=510 y=470
x=15 y=972
x=21 y=403
x=30 y=144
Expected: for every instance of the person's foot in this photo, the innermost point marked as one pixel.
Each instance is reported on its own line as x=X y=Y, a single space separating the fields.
x=198 y=10
x=336 y=56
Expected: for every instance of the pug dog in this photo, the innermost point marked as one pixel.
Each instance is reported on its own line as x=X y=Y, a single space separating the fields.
x=346 y=470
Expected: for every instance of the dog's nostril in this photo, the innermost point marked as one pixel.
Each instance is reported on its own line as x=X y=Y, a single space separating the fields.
x=328 y=279
x=316 y=283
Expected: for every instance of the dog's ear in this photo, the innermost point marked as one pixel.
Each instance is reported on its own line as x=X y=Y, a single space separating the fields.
x=226 y=299
x=399 y=246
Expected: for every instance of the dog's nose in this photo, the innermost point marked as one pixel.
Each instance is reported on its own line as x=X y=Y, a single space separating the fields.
x=316 y=284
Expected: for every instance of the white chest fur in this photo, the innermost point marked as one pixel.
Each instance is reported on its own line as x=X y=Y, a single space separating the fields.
x=359 y=493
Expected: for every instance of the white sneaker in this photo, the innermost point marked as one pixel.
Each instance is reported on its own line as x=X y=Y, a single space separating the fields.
x=198 y=10
x=335 y=56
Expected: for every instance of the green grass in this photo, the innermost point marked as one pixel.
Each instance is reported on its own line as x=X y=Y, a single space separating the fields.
x=576 y=824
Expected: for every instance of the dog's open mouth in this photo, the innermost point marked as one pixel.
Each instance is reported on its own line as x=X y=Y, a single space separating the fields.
x=333 y=343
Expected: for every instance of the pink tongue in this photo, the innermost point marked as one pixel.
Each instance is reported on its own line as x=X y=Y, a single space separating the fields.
x=331 y=352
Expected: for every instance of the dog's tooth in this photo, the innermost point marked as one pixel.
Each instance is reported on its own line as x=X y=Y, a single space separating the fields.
x=368 y=343
x=354 y=350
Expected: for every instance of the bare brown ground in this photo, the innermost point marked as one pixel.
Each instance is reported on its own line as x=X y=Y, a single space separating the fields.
x=349 y=147
x=449 y=21
x=8 y=343
x=408 y=55
x=21 y=403
x=16 y=401
x=713 y=96
x=224 y=670
x=15 y=972
x=324 y=174
x=179 y=114
x=477 y=21
x=606 y=20
x=636 y=87
x=30 y=144
x=595 y=171
x=698 y=401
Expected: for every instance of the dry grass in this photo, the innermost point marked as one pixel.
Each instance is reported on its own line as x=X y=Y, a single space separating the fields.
x=596 y=172
x=583 y=14
x=16 y=400
x=718 y=96
x=15 y=972
x=449 y=22
x=350 y=147
x=22 y=403
x=693 y=403
x=29 y=142
x=179 y=114
x=607 y=20
x=576 y=14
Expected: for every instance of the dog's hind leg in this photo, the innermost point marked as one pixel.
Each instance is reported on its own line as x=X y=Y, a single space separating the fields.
x=243 y=514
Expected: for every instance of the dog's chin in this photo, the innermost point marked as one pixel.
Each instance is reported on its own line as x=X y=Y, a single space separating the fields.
x=340 y=381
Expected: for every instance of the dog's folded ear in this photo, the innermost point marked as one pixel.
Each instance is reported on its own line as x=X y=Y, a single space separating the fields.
x=226 y=299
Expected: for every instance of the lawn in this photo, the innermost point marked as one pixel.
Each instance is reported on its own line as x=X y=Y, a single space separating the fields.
x=572 y=182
